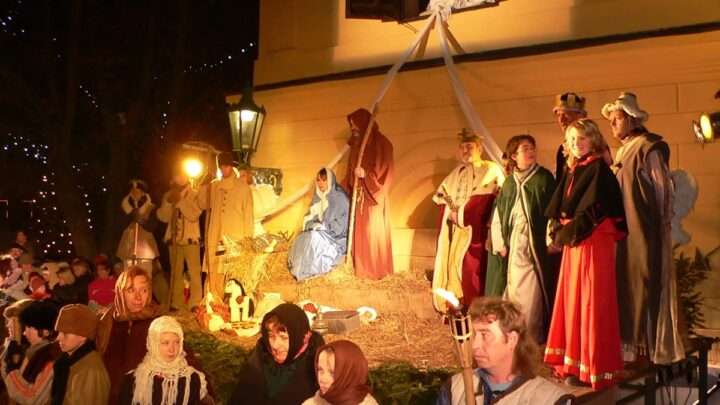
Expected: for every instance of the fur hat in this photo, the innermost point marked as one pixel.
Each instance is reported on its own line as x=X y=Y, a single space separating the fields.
x=77 y=319
x=13 y=310
x=569 y=102
x=467 y=135
x=39 y=315
x=628 y=103
x=227 y=159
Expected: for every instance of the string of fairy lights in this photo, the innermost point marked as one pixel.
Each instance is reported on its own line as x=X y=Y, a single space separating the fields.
x=49 y=227
x=223 y=60
x=9 y=22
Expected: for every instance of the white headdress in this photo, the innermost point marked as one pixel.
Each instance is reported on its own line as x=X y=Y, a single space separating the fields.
x=153 y=365
x=628 y=103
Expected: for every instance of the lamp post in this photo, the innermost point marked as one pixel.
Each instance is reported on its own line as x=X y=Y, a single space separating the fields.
x=246 y=122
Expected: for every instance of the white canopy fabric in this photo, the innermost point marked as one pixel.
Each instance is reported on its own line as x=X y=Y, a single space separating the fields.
x=439 y=12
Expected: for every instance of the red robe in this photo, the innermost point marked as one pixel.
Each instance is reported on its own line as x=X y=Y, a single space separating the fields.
x=461 y=258
x=371 y=246
x=584 y=337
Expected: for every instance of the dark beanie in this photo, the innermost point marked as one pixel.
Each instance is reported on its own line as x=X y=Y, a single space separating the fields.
x=39 y=315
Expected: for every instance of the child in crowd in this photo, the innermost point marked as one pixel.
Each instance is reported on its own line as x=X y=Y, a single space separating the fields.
x=164 y=376
x=342 y=375
x=28 y=373
x=37 y=287
x=83 y=276
x=101 y=291
x=65 y=291
x=80 y=375
x=12 y=283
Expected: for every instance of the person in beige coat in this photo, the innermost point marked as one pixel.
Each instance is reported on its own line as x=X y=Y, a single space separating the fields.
x=179 y=209
x=80 y=376
x=230 y=207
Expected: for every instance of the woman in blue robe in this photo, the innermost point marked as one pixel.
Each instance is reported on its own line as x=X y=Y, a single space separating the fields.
x=323 y=241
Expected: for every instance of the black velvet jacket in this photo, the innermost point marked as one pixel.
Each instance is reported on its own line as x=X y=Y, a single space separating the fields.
x=586 y=195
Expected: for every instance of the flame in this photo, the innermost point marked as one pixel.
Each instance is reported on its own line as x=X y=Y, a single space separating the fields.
x=447 y=296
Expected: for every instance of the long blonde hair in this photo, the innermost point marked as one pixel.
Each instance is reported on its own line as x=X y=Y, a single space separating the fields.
x=589 y=129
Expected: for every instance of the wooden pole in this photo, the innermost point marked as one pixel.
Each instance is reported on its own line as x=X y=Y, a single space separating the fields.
x=353 y=202
x=465 y=350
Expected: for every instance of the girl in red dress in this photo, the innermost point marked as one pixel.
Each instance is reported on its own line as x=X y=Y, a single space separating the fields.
x=587 y=218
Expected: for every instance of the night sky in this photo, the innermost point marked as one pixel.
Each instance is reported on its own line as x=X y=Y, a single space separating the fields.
x=95 y=93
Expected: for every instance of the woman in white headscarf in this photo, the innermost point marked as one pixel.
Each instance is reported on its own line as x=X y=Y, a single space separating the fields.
x=164 y=376
x=324 y=238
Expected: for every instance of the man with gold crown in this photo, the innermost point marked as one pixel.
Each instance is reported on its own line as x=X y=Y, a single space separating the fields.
x=466 y=198
x=569 y=107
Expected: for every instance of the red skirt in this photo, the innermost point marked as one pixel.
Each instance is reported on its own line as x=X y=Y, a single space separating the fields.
x=584 y=337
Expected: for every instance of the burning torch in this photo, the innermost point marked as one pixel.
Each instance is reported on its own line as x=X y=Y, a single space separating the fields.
x=462 y=333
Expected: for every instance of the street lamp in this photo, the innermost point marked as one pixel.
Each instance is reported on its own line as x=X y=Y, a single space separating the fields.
x=246 y=122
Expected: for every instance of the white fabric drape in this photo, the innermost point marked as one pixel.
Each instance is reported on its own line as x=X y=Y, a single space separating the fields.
x=439 y=13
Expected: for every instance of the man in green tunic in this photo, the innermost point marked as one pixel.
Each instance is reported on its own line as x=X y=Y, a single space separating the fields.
x=518 y=237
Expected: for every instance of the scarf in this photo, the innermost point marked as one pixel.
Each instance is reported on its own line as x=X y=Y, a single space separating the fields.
x=350 y=375
x=494 y=392
x=61 y=371
x=153 y=365
x=277 y=376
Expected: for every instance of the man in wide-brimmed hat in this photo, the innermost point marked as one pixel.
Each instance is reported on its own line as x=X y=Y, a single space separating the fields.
x=646 y=280
x=230 y=202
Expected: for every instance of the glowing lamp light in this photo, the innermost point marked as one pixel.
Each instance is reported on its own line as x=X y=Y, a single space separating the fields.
x=706 y=131
x=247 y=115
x=192 y=167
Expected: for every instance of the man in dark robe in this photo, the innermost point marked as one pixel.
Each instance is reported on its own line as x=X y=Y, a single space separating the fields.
x=372 y=174
x=646 y=279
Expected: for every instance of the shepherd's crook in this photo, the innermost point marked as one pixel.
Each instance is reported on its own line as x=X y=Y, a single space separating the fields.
x=353 y=202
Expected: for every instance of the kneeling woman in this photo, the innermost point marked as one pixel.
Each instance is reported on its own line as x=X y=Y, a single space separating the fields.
x=324 y=238
x=164 y=376
x=342 y=374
